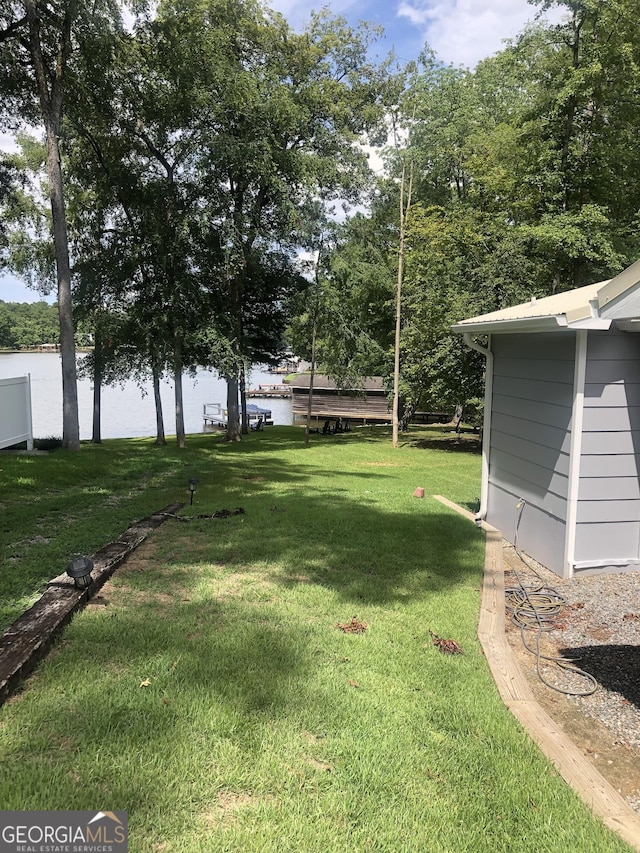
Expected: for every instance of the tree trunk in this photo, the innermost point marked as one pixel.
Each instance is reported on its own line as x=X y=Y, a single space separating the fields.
x=157 y=399
x=70 y=419
x=243 y=402
x=177 y=384
x=96 y=436
x=233 y=415
x=307 y=428
x=404 y=211
x=50 y=96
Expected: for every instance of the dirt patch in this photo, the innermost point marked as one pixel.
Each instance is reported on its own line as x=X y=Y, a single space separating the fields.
x=97 y=602
x=353 y=626
x=229 y=805
x=319 y=765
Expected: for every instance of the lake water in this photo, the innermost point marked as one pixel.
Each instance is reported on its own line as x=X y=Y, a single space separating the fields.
x=127 y=411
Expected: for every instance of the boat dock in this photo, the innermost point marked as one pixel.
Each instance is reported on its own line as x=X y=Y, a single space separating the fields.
x=213 y=414
x=276 y=390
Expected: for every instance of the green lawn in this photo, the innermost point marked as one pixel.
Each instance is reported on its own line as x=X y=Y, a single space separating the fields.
x=211 y=695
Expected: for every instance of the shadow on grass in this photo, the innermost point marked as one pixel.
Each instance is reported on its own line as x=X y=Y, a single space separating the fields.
x=196 y=644
x=232 y=650
x=450 y=444
x=74 y=503
x=128 y=693
x=616 y=668
x=359 y=552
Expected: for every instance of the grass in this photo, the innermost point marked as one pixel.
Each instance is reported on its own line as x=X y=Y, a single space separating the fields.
x=208 y=691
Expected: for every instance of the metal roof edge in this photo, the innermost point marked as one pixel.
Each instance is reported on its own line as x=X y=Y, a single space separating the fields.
x=552 y=323
x=581 y=313
x=620 y=284
x=591 y=323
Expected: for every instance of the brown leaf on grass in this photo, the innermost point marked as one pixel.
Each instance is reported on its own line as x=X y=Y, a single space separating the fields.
x=447 y=647
x=353 y=626
x=145 y=683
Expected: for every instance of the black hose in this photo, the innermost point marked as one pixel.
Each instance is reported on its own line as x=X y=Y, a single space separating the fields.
x=535 y=609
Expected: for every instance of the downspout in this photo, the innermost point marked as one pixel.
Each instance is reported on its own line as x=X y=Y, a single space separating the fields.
x=486 y=425
x=575 y=453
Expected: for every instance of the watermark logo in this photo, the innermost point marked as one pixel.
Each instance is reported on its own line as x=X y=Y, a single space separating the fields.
x=63 y=832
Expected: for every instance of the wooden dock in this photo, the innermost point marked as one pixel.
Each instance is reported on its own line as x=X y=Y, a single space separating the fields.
x=275 y=390
x=368 y=404
x=214 y=415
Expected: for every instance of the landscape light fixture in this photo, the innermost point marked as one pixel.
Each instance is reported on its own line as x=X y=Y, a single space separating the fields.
x=193 y=485
x=80 y=570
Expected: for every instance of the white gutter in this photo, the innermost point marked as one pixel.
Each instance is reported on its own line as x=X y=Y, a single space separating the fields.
x=552 y=323
x=486 y=425
x=575 y=452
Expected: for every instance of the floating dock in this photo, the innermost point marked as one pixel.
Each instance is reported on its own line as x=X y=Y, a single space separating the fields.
x=213 y=414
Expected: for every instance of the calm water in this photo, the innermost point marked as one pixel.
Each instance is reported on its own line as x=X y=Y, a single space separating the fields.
x=127 y=411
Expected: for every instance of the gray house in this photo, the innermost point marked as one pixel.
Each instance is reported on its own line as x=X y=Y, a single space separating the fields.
x=561 y=447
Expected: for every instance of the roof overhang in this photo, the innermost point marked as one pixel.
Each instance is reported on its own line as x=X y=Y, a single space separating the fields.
x=595 y=306
x=554 y=323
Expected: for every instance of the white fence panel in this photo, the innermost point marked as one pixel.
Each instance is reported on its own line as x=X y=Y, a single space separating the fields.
x=15 y=412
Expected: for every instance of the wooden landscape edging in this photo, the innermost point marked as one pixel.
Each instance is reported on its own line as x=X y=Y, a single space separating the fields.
x=601 y=797
x=29 y=638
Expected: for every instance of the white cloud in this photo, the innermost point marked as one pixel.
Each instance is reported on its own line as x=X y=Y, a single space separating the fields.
x=463 y=32
x=414 y=14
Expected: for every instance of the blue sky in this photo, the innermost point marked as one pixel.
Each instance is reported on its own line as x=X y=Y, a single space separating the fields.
x=460 y=32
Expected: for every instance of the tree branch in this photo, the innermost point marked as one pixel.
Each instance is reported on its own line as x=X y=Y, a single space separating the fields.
x=12 y=29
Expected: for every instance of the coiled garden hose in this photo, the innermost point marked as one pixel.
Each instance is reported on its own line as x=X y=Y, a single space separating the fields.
x=535 y=609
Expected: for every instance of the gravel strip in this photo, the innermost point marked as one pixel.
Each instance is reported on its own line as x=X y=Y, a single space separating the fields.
x=599 y=629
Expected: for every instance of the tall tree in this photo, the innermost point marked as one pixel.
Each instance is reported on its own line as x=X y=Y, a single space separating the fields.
x=286 y=125
x=37 y=39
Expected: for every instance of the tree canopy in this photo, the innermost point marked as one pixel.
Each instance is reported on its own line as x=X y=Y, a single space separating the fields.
x=192 y=158
x=525 y=183
x=27 y=325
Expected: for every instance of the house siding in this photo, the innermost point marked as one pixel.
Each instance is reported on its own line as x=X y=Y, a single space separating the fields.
x=530 y=442
x=608 y=514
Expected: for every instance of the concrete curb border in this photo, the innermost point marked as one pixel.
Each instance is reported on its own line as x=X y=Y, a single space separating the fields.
x=601 y=797
x=30 y=637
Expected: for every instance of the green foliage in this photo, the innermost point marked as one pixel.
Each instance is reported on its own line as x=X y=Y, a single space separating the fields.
x=25 y=325
x=526 y=182
x=351 y=303
x=191 y=159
